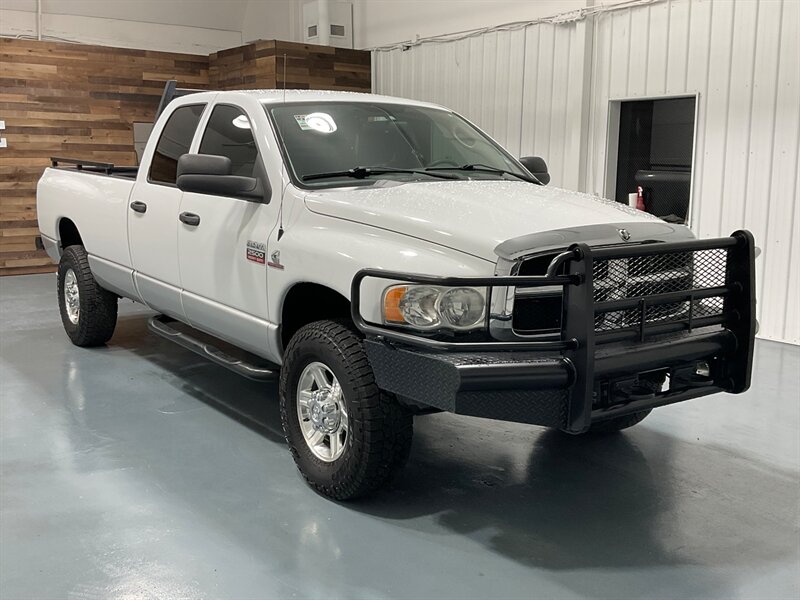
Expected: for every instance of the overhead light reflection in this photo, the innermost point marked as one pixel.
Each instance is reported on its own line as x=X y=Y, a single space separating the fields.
x=241 y=122
x=321 y=122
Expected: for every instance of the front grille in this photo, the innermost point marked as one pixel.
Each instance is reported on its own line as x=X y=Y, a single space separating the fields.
x=642 y=277
x=635 y=278
x=539 y=312
x=537 y=265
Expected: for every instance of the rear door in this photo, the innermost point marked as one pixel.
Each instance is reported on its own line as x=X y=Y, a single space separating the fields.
x=153 y=214
x=223 y=258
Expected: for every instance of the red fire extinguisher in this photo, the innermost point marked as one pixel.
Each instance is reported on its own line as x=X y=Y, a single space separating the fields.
x=640 y=198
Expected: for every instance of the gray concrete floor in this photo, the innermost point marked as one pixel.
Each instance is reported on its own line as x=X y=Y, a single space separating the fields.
x=140 y=471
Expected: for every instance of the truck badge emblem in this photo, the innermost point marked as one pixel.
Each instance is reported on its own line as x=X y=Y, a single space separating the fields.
x=624 y=234
x=275 y=260
x=256 y=252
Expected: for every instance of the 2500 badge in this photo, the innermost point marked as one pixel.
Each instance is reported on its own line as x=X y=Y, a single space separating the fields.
x=256 y=252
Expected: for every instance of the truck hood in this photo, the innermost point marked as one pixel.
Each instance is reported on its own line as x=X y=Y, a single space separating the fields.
x=471 y=216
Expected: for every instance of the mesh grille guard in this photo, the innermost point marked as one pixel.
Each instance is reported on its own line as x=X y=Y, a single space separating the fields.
x=662 y=288
x=635 y=292
x=618 y=294
x=624 y=292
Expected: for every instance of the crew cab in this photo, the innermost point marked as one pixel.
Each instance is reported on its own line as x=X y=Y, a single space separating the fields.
x=385 y=258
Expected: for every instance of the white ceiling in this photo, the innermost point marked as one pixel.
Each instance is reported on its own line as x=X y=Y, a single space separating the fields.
x=211 y=14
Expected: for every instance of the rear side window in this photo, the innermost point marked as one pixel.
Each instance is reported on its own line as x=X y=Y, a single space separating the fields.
x=228 y=134
x=174 y=142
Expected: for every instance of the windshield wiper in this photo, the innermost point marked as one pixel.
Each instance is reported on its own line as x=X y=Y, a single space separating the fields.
x=364 y=172
x=486 y=169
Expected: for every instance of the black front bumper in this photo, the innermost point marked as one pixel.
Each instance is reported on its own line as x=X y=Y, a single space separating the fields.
x=586 y=376
x=531 y=388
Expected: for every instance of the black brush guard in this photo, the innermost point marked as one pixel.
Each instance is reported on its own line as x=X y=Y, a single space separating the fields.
x=698 y=307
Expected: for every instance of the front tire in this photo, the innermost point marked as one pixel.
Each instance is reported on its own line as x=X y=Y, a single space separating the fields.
x=88 y=312
x=347 y=437
x=618 y=423
x=645 y=386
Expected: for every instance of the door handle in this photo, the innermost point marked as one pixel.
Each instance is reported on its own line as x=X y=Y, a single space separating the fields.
x=190 y=219
x=139 y=207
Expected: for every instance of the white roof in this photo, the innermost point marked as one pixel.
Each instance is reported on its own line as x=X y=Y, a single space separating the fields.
x=280 y=96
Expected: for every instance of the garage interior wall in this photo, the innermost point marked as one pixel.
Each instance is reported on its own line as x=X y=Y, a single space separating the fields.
x=170 y=27
x=71 y=100
x=81 y=101
x=545 y=89
x=189 y=26
x=263 y=64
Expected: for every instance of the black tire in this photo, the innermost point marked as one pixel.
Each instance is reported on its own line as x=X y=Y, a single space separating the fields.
x=379 y=432
x=645 y=385
x=97 y=315
x=618 y=423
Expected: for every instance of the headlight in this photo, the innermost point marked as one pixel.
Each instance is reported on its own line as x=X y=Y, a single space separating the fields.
x=462 y=307
x=429 y=307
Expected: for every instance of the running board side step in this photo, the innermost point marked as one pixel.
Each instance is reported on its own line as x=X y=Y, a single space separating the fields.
x=160 y=325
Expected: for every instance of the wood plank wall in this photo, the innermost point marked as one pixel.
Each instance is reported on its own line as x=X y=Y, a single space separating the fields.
x=260 y=65
x=323 y=67
x=61 y=99
x=75 y=100
x=247 y=67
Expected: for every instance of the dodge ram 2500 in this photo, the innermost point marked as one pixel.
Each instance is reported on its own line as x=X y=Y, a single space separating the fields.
x=385 y=258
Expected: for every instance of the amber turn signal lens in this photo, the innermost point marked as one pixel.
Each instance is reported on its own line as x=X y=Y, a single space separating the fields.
x=391 y=304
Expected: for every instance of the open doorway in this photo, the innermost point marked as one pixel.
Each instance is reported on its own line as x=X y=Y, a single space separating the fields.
x=654 y=153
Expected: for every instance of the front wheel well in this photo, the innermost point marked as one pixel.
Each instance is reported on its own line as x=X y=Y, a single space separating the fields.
x=309 y=302
x=68 y=234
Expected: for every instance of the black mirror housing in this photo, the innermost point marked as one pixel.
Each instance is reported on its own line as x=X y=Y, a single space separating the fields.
x=204 y=164
x=537 y=168
x=234 y=186
x=210 y=174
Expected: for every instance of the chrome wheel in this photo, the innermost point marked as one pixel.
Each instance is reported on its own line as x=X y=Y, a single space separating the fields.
x=72 y=300
x=322 y=412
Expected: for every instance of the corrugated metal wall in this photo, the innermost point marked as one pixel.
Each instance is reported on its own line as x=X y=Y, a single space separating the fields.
x=516 y=85
x=546 y=90
x=743 y=60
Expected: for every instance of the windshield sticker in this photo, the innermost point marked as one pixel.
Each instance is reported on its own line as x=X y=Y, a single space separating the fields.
x=301 y=121
x=318 y=121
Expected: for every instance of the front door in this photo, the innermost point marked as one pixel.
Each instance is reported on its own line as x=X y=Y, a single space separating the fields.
x=153 y=215
x=223 y=260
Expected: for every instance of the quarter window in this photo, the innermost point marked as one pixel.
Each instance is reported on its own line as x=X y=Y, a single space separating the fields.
x=228 y=134
x=174 y=142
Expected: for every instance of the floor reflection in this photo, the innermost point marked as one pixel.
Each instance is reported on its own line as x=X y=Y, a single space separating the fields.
x=123 y=435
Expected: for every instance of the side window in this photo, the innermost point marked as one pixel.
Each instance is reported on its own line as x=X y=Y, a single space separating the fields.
x=228 y=134
x=174 y=142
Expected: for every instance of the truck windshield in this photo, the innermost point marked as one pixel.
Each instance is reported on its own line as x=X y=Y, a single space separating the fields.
x=326 y=143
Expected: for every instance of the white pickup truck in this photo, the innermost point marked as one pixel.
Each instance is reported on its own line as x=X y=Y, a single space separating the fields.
x=386 y=258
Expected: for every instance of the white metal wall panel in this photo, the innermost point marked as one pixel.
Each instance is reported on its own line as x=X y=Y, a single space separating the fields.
x=743 y=61
x=518 y=85
x=546 y=90
x=762 y=130
x=783 y=224
x=545 y=117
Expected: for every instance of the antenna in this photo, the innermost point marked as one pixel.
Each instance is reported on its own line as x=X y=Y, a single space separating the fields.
x=284 y=78
x=283 y=162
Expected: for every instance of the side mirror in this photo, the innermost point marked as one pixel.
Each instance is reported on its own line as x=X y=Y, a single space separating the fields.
x=211 y=174
x=537 y=168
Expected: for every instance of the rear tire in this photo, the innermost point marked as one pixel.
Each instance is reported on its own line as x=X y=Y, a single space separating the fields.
x=327 y=385
x=88 y=312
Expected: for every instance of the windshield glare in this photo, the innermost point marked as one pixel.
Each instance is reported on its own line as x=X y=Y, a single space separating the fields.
x=337 y=136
